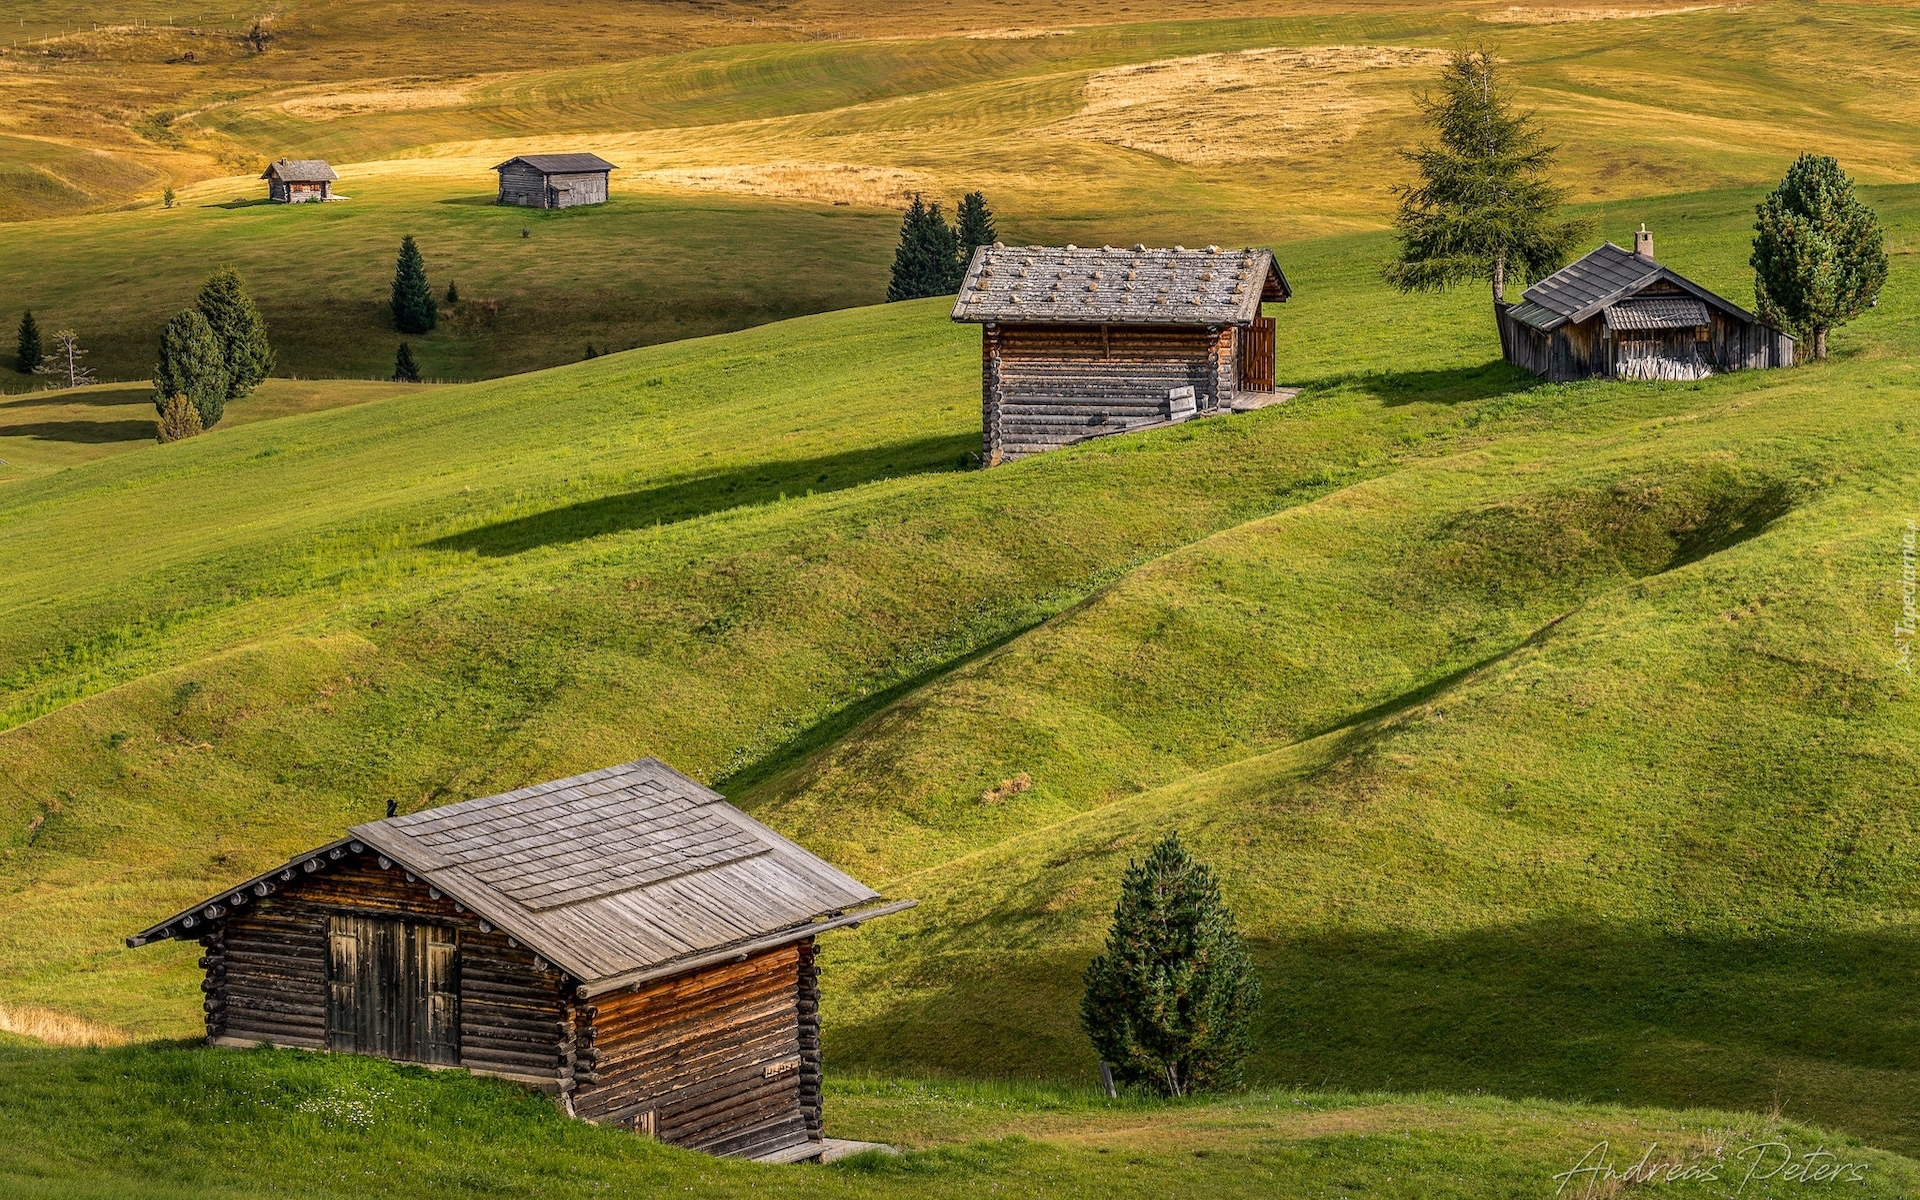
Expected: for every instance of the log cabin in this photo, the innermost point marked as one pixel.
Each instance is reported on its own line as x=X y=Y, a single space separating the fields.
x=297 y=181
x=624 y=940
x=1619 y=314
x=554 y=180
x=1078 y=343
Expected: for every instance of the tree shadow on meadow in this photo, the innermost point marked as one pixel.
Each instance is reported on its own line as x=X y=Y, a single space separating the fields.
x=1823 y=1026
x=1456 y=385
x=704 y=495
x=83 y=432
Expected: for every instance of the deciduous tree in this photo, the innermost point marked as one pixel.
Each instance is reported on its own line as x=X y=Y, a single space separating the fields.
x=65 y=361
x=1819 y=259
x=1171 y=1000
x=191 y=367
x=1485 y=207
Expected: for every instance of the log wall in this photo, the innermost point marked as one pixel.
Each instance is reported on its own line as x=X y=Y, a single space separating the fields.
x=725 y=1060
x=1048 y=386
x=1583 y=351
x=528 y=188
x=267 y=970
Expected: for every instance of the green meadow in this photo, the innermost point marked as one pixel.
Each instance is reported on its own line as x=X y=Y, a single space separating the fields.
x=1550 y=742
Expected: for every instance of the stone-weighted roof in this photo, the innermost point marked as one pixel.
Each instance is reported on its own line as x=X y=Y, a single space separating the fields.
x=299 y=170
x=1108 y=285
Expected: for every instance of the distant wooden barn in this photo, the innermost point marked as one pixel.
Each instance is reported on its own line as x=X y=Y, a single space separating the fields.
x=296 y=181
x=1619 y=314
x=624 y=939
x=554 y=180
x=1077 y=343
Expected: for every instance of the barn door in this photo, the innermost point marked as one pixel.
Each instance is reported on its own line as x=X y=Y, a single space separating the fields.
x=1257 y=354
x=393 y=989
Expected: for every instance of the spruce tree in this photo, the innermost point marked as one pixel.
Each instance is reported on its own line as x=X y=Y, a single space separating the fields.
x=413 y=307
x=405 y=370
x=1819 y=259
x=1171 y=1001
x=453 y=292
x=26 y=358
x=237 y=323
x=191 y=367
x=926 y=263
x=976 y=227
x=1484 y=207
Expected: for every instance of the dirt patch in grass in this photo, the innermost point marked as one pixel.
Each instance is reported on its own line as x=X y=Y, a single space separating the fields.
x=1524 y=15
x=1251 y=104
x=831 y=183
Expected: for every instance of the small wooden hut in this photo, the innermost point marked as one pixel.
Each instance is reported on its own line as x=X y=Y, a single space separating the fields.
x=1077 y=343
x=1619 y=314
x=624 y=939
x=296 y=181
x=554 y=180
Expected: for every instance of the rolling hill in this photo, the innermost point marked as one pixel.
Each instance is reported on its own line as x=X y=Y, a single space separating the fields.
x=1549 y=739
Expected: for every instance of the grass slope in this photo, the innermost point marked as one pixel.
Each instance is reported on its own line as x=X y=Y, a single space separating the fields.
x=1548 y=737
x=160 y=1123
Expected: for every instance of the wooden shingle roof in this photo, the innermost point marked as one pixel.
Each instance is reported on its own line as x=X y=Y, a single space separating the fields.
x=1077 y=285
x=561 y=164
x=1606 y=277
x=299 y=170
x=615 y=876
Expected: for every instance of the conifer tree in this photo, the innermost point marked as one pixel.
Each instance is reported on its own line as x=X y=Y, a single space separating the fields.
x=27 y=357
x=926 y=263
x=405 y=370
x=242 y=332
x=1171 y=1000
x=191 y=367
x=178 y=421
x=1484 y=207
x=453 y=292
x=976 y=229
x=413 y=307
x=1819 y=259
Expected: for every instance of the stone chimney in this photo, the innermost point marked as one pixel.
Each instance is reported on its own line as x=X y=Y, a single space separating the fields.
x=1643 y=243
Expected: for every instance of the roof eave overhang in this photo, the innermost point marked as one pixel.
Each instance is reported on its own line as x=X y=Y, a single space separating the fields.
x=221 y=904
x=740 y=950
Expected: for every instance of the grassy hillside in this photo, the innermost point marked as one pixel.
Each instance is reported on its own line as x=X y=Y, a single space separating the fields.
x=1548 y=738
x=763 y=164
x=160 y=1123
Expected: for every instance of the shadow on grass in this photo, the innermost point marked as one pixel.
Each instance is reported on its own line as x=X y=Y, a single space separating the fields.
x=86 y=432
x=1820 y=1024
x=707 y=494
x=243 y=202
x=1458 y=385
x=107 y=397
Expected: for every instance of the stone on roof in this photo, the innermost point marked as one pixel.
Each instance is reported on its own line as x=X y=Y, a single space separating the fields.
x=1113 y=286
x=561 y=164
x=299 y=170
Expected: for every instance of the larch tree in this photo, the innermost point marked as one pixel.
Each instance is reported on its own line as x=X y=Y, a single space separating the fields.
x=192 y=367
x=1819 y=259
x=1170 y=1002
x=1485 y=207
x=237 y=323
x=413 y=308
x=66 y=361
x=27 y=354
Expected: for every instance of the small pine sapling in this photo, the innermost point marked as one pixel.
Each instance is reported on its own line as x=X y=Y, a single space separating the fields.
x=28 y=354
x=1170 y=1002
x=413 y=308
x=405 y=370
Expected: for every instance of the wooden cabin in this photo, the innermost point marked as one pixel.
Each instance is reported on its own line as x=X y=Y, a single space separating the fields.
x=1079 y=342
x=554 y=180
x=1619 y=314
x=296 y=181
x=625 y=940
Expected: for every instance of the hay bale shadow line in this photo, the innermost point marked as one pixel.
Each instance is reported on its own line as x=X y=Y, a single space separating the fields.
x=704 y=495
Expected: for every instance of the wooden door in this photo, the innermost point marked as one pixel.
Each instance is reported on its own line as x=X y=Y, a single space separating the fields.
x=1258 y=350
x=393 y=989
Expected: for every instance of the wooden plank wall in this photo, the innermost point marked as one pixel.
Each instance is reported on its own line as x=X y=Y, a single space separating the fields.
x=589 y=187
x=267 y=974
x=1047 y=386
x=714 y=1060
x=522 y=185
